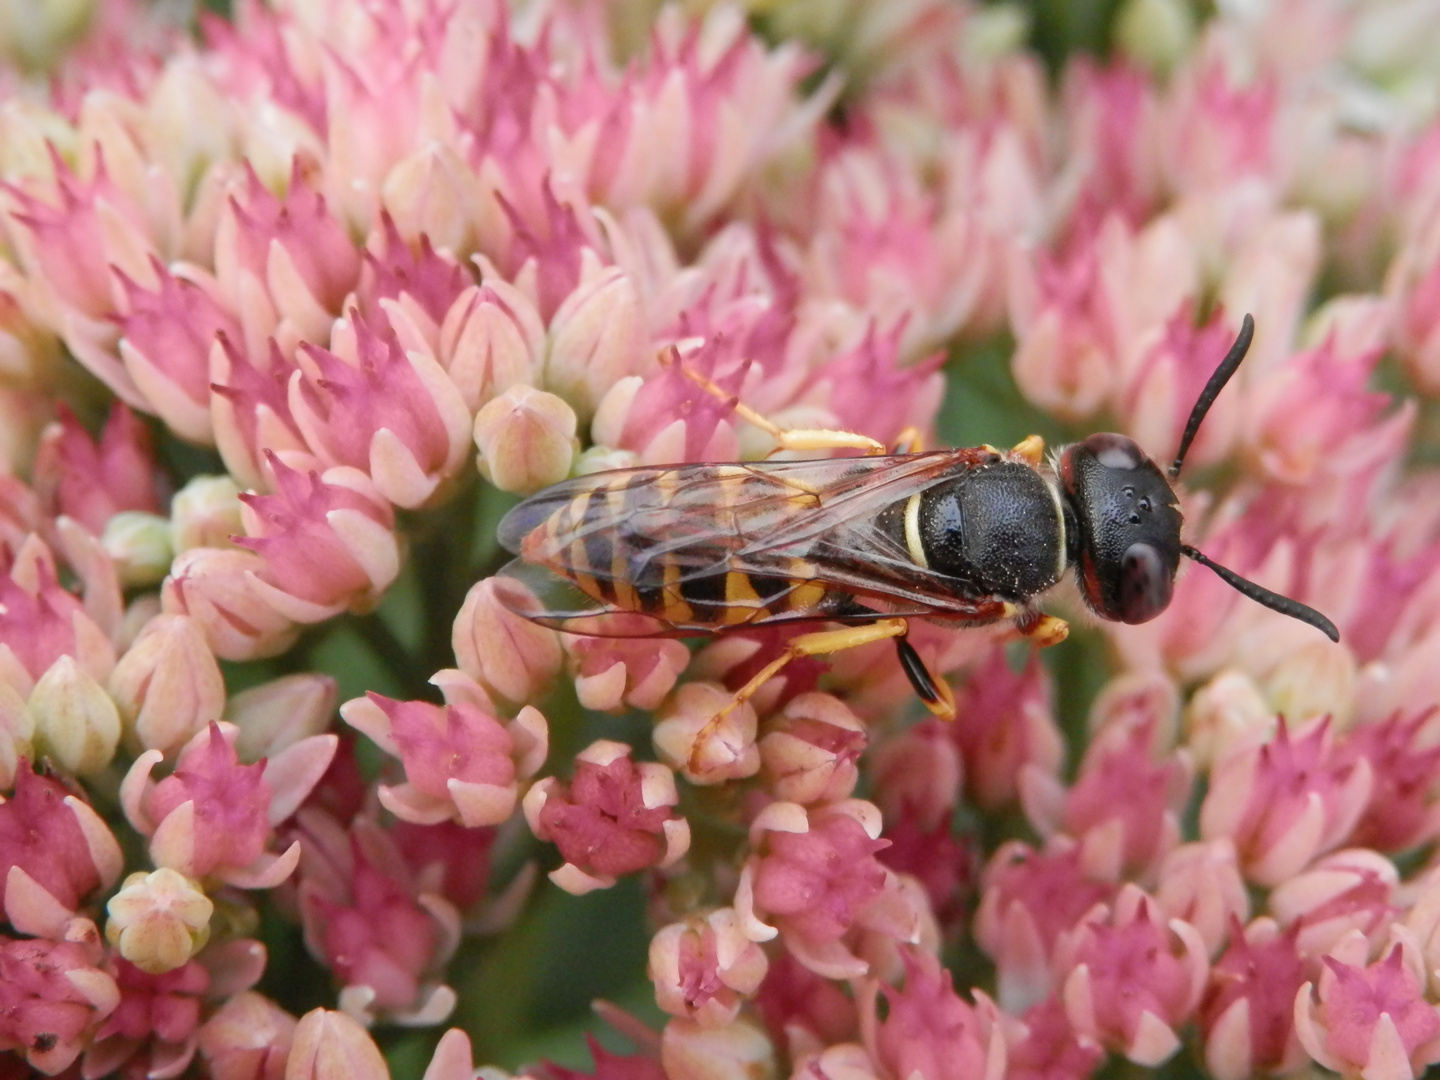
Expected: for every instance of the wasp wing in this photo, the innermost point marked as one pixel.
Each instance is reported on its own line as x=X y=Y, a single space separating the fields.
x=783 y=522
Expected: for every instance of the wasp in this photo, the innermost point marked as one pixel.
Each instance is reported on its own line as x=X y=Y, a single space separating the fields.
x=968 y=536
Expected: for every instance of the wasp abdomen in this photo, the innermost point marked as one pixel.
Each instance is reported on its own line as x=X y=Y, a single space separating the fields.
x=1000 y=526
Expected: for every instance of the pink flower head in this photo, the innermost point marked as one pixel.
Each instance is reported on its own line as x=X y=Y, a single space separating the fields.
x=167 y=333
x=326 y=540
x=490 y=340
x=158 y=1019
x=1371 y=1021
x=220 y=590
x=614 y=817
x=917 y=773
x=1201 y=883
x=52 y=998
x=451 y=859
x=247 y=1038
x=548 y=251
x=51 y=836
x=1284 y=802
x=1132 y=978
x=214 y=815
x=667 y=417
x=92 y=481
x=1112 y=119
x=1030 y=898
x=392 y=414
x=801 y=1008
x=944 y=866
x=293 y=250
x=1219 y=131
x=928 y=1030
x=872 y=391
x=1124 y=806
x=814 y=876
x=597 y=336
x=1247 y=1016
x=810 y=751
x=72 y=239
x=40 y=622
x=1404 y=759
x=1050 y=1048
x=704 y=968
x=414 y=279
x=511 y=657
x=250 y=407
x=1004 y=722
x=461 y=762
x=613 y=673
x=365 y=919
x=1345 y=894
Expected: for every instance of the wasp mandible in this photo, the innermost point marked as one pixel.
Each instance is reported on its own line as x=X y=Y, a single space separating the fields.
x=973 y=535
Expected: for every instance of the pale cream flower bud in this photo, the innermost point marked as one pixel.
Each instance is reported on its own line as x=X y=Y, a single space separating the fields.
x=139 y=545
x=76 y=724
x=35 y=33
x=168 y=685
x=738 y=1051
x=1156 y=34
x=158 y=920
x=17 y=733
x=279 y=713
x=205 y=513
x=330 y=1045
x=509 y=655
x=526 y=439
x=596 y=336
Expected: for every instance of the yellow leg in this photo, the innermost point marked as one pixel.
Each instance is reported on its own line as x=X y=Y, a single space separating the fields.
x=1031 y=449
x=798 y=440
x=1043 y=630
x=819 y=643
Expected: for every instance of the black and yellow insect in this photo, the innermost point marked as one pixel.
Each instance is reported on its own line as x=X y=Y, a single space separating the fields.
x=969 y=536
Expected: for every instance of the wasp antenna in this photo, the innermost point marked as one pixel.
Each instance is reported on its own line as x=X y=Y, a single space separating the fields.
x=1212 y=390
x=1273 y=601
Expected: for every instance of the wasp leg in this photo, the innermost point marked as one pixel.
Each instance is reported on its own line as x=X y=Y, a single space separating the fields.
x=908 y=442
x=800 y=439
x=1030 y=449
x=819 y=643
x=935 y=693
x=1042 y=630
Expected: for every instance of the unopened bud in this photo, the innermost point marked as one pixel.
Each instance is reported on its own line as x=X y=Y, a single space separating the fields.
x=158 y=920
x=280 y=713
x=76 y=724
x=509 y=655
x=205 y=513
x=168 y=685
x=139 y=545
x=595 y=337
x=331 y=1046
x=526 y=439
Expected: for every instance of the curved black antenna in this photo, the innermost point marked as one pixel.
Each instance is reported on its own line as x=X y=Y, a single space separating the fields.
x=1212 y=390
x=1274 y=601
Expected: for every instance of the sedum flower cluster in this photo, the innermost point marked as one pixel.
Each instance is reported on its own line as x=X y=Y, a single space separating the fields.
x=294 y=302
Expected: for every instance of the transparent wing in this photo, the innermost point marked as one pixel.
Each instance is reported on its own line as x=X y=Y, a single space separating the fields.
x=779 y=522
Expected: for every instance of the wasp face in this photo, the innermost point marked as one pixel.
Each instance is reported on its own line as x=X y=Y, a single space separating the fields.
x=1128 y=547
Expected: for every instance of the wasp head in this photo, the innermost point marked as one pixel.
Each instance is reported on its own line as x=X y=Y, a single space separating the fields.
x=1127 y=547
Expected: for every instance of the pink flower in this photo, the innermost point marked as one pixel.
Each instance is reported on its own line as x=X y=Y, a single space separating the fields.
x=158 y=1019
x=1030 y=899
x=168 y=685
x=451 y=859
x=1285 y=801
x=216 y=588
x=1405 y=761
x=1132 y=979
x=90 y=481
x=803 y=1009
x=411 y=285
x=943 y=865
x=704 y=968
x=612 y=674
x=1217 y=131
x=928 y=1030
x=40 y=622
x=393 y=415
x=326 y=540
x=291 y=256
x=1371 y=1021
x=461 y=763
x=247 y=1038
x=1343 y=894
x=1112 y=120
x=491 y=339
x=1004 y=722
x=167 y=333
x=52 y=999
x=614 y=817
x=812 y=878
x=52 y=837
x=1050 y=1048
x=250 y=408
x=1247 y=1016
x=917 y=774
x=1201 y=883
x=215 y=816
x=365 y=919
x=809 y=753
x=666 y=417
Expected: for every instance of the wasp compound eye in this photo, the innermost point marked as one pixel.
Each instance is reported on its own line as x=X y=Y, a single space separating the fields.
x=1145 y=584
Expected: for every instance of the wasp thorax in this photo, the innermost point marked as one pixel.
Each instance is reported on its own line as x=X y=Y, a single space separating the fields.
x=1128 y=547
